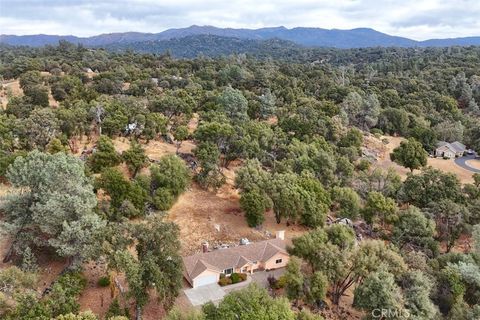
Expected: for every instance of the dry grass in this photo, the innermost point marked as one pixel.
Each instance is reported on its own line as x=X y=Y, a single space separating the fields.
x=216 y=217
x=10 y=88
x=384 y=161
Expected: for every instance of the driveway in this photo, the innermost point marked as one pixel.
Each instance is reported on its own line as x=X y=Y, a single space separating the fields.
x=213 y=292
x=462 y=162
x=203 y=294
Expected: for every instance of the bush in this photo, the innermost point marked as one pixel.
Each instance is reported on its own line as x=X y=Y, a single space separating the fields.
x=235 y=278
x=363 y=165
x=163 y=199
x=114 y=310
x=272 y=281
x=225 y=281
x=104 y=282
x=243 y=276
x=281 y=282
x=376 y=132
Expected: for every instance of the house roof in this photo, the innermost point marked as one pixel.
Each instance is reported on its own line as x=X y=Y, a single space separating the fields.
x=456 y=147
x=236 y=257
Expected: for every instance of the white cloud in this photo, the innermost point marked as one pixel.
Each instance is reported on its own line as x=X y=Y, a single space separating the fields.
x=417 y=19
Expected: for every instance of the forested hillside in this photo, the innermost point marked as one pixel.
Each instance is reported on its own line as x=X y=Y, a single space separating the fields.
x=101 y=150
x=302 y=36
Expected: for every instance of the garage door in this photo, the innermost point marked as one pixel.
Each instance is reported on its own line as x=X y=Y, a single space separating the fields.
x=203 y=280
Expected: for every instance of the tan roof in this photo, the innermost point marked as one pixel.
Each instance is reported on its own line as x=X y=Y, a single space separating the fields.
x=236 y=257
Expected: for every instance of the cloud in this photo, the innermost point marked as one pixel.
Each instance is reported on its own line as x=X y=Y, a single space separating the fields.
x=417 y=19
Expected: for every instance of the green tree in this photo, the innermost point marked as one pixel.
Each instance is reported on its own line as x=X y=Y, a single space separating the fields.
x=379 y=292
x=294 y=280
x=251 y=303
x=234 y=104
x=317 y=288
x=52 y=183
x=410 y=154
x=394 y=121
x=210 y=175
x=135 y=158
x=417 y=288
x=346 y=202
x=120 y=189
x=450 y=218
x=37 y=94
x=178 y=314
x=87 y=315
x=253 y=203
x=307 y=315
x=378 y=207
x=104 y=155
x=157 y=265
x=39 y=128
x=286 y=196
x=55 y=146
x=180 y=134
x=170 y=173
x=414 y=231
x=431 y=185
x=345 y=265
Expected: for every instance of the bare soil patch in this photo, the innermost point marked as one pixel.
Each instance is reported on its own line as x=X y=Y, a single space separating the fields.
x=9 y=89
x=216 y=217
x=383 y=151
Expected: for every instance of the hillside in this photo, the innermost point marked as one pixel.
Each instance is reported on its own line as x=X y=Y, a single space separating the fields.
x=311 y=37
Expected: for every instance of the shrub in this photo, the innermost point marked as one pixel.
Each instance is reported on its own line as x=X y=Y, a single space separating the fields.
x=225 y=281
x=363 y=165
x=243 y=276
x=272 y=281
x=163 y=199
x=281 y=282
x=376 y=132
x=235 y=278
x=103 y=282
x=114 y=310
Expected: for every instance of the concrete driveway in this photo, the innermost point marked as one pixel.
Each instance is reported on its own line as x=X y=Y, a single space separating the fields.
x=203 y=294
x=213 y=292
x=462 y=162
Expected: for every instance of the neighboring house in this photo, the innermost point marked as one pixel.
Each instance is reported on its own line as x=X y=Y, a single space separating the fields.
x=206 y=268
x=450 y=150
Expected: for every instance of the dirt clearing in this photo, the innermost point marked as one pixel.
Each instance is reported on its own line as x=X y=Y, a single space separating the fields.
x=216 y=217
x=383 y=150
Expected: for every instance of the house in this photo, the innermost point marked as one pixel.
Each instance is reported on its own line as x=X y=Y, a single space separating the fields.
x=450 y=150
x=205 y=268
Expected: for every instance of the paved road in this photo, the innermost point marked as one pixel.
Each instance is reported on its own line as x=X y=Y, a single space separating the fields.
x=462 y=162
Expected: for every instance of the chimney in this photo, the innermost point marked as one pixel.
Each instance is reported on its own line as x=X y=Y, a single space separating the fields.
x=205 y=247
x=280 y=234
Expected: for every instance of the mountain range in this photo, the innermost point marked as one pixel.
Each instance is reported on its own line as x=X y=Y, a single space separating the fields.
x=307 y=37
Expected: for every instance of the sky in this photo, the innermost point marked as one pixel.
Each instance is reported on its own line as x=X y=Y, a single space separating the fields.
x=415 y=19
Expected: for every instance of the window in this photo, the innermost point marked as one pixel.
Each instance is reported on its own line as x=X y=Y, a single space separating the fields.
x=278 y=261
x=228 y=271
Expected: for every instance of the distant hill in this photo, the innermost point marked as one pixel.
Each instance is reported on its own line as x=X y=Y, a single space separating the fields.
x=213 y=46
x=310 y=37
